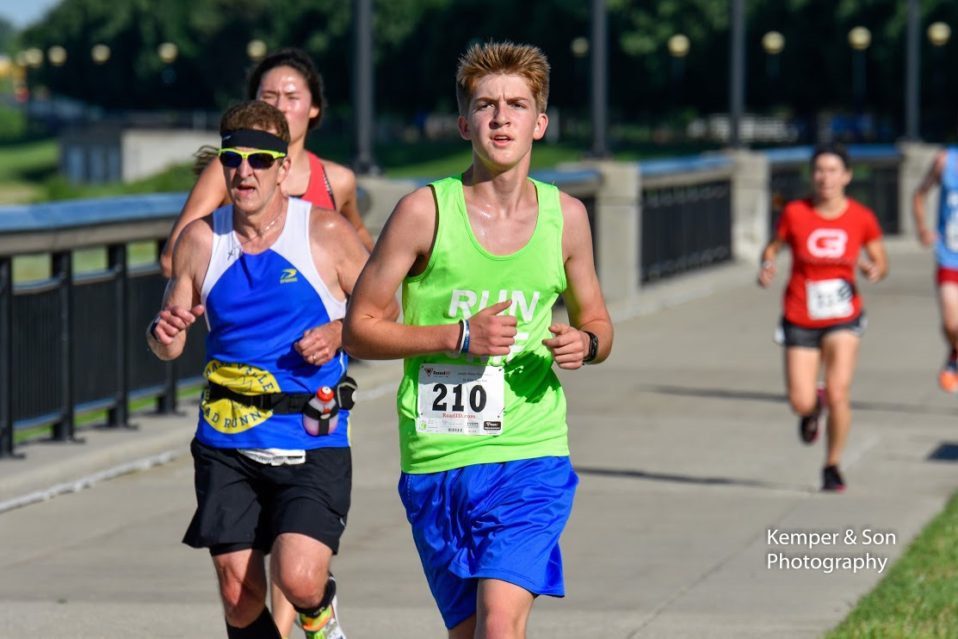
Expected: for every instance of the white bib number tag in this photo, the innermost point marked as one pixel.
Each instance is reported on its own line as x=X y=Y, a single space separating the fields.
x=461 y=400
x=829 y=299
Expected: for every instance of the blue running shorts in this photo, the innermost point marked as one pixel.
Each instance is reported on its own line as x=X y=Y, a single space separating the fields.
x=490 y=521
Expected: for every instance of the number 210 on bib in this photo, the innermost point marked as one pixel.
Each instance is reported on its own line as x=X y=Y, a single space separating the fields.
x=460 y=400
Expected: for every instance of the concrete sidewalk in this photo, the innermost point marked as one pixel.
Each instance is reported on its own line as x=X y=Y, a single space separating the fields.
x=687 y=454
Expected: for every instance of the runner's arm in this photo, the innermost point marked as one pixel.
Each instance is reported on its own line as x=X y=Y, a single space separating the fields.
x=766 y=268
x=336 y=241
x=343 y=181
x=876 y=268
x=207 y=194
x=369 y=332
x=166 y=334
x=583 y=296
x=925 y=235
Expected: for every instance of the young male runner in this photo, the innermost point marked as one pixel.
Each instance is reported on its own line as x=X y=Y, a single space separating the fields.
x=482 y=258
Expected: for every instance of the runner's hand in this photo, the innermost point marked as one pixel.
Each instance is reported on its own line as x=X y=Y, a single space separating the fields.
x=927 y=237
x=870 y=271
x=319 y=344
x=491 y=333
x=173 y=320
x=766 y=273
x=569 y=346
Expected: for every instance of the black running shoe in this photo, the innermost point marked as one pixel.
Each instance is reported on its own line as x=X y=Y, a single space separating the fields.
x=808 y=427
x=832 y=479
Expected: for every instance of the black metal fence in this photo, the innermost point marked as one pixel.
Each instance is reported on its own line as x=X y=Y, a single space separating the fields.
x=74 y=343
x=686 y=222
x=684 y=228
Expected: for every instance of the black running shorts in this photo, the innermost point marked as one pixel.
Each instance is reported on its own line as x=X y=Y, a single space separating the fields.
x=790 y=335
x=243 y=504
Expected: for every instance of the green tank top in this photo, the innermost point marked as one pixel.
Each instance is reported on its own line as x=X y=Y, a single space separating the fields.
x=457 y=410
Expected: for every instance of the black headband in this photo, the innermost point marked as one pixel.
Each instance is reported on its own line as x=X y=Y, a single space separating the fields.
x=254 y=139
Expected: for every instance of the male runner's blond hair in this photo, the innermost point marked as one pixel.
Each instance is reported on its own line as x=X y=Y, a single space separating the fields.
x=505 y=58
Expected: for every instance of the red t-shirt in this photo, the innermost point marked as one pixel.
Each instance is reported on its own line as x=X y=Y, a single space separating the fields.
x=821 y=291
x=319 y=191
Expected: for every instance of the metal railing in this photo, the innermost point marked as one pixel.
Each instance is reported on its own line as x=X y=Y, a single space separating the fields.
x=73 y=342
x=686 y=215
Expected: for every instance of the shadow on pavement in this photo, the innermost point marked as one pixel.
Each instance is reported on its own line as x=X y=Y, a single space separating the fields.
x=686 y=479
x=780 y=398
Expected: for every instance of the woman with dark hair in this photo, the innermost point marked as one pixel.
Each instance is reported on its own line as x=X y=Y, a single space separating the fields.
x=288 y=80
x=823 y=320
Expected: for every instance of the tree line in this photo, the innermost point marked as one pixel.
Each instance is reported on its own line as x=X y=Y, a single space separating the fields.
x=417 y=43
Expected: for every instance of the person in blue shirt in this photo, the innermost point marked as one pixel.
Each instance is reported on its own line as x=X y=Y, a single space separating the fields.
x=944 y=237
x=270 y=275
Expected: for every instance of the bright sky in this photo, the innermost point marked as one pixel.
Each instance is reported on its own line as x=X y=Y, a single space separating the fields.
x=23 y=13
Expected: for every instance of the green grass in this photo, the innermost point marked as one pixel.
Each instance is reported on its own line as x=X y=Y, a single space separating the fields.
x=99 y=417
x=175 y=179
x=23 y=167
x=28 y=160
x=918 y=598
x=28 y=173
x=28 y=170
x=30 y=268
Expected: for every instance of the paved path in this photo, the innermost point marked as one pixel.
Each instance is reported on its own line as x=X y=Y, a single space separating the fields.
x=687 y=455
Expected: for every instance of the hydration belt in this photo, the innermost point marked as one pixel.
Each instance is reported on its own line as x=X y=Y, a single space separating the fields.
x=287 y=403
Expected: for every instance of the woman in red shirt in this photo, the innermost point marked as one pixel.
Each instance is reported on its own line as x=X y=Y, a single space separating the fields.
x=823 y=320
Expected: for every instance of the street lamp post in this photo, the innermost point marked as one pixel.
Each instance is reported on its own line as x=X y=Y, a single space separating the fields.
x=736 y=72
x=168 y=52
x=57 y=55
x=365 y=162
x=912 y=70
x=678 y=46
x=859 y=38
x=579 y=47
x=33 y=57
x=580 y=50
x=30 y=59
x=100 y=53
x=774 y=43
x=256 y=50
x=600 y=73
x=939 y=33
